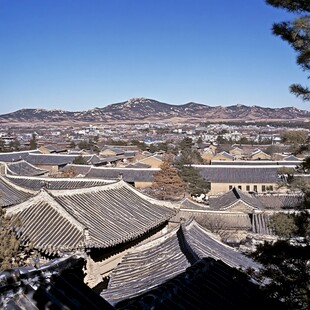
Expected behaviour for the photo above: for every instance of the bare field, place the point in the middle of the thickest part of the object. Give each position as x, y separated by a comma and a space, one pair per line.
176, 120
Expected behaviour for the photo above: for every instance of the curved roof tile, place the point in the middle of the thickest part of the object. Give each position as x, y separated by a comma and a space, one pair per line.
145, 267
109, 215
205, 244
12, 194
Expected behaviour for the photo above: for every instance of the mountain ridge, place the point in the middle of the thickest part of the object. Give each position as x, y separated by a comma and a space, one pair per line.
139, 109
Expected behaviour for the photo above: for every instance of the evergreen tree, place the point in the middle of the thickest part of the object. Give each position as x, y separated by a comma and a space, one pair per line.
83, 145
14, 145
167, 184
286, 266
286, 262
33, 142
297, 34
79, 160
194, 182
12, 253
2, 145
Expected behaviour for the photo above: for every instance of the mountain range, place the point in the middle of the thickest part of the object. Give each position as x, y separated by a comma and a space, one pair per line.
142, 109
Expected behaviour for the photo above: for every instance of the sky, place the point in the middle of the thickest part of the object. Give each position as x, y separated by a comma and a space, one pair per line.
76, 55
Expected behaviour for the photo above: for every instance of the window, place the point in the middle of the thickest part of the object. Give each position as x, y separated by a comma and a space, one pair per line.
247, 188
240, 187
263, 188
230, 187
270, 188
255, 188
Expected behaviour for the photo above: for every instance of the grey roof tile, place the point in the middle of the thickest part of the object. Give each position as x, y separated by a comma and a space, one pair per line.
12, 194
204, 244
230, 198
112, 214
15, 156
208, 284
238, 175
145, 267
52, 159
24, 168
36, 183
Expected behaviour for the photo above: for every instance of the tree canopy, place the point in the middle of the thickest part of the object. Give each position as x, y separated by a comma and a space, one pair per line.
33, 142
297, 34
167, 184
194, 182
12, 252
286, 262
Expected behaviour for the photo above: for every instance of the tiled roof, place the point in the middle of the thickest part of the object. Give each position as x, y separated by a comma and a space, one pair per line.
52, 159
232, 197
151, 264
36, 183
204, 244
225, 154
48, 226
280, 201
15, 156
116, 150
245, 174
257, 163
127, 174
292, 158
105, 215
221, 219
208, 284
260, 223
24, 168
192, 205
112, 173
146, 267
12, 194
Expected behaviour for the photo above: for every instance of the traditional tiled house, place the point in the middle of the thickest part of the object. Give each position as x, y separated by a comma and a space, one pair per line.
12, 194
22, 167
156, 262
239, 212
259, 155
245, 178
237, 152
153, 161
138, 177
97, 217
50, 162
224, 156
111, 151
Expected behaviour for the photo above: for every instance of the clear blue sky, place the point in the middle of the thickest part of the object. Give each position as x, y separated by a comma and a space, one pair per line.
80, 54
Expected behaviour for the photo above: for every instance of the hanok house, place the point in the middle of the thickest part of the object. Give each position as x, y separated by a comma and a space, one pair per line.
259, 155
223, 156
137, 177
237, 152
23, 168
186, 268
95, 219
152, 264
153, 161
245, 178
111, 151
50, 162
236, 213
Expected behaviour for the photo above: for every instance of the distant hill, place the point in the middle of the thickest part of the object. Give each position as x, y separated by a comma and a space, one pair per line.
141, 109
